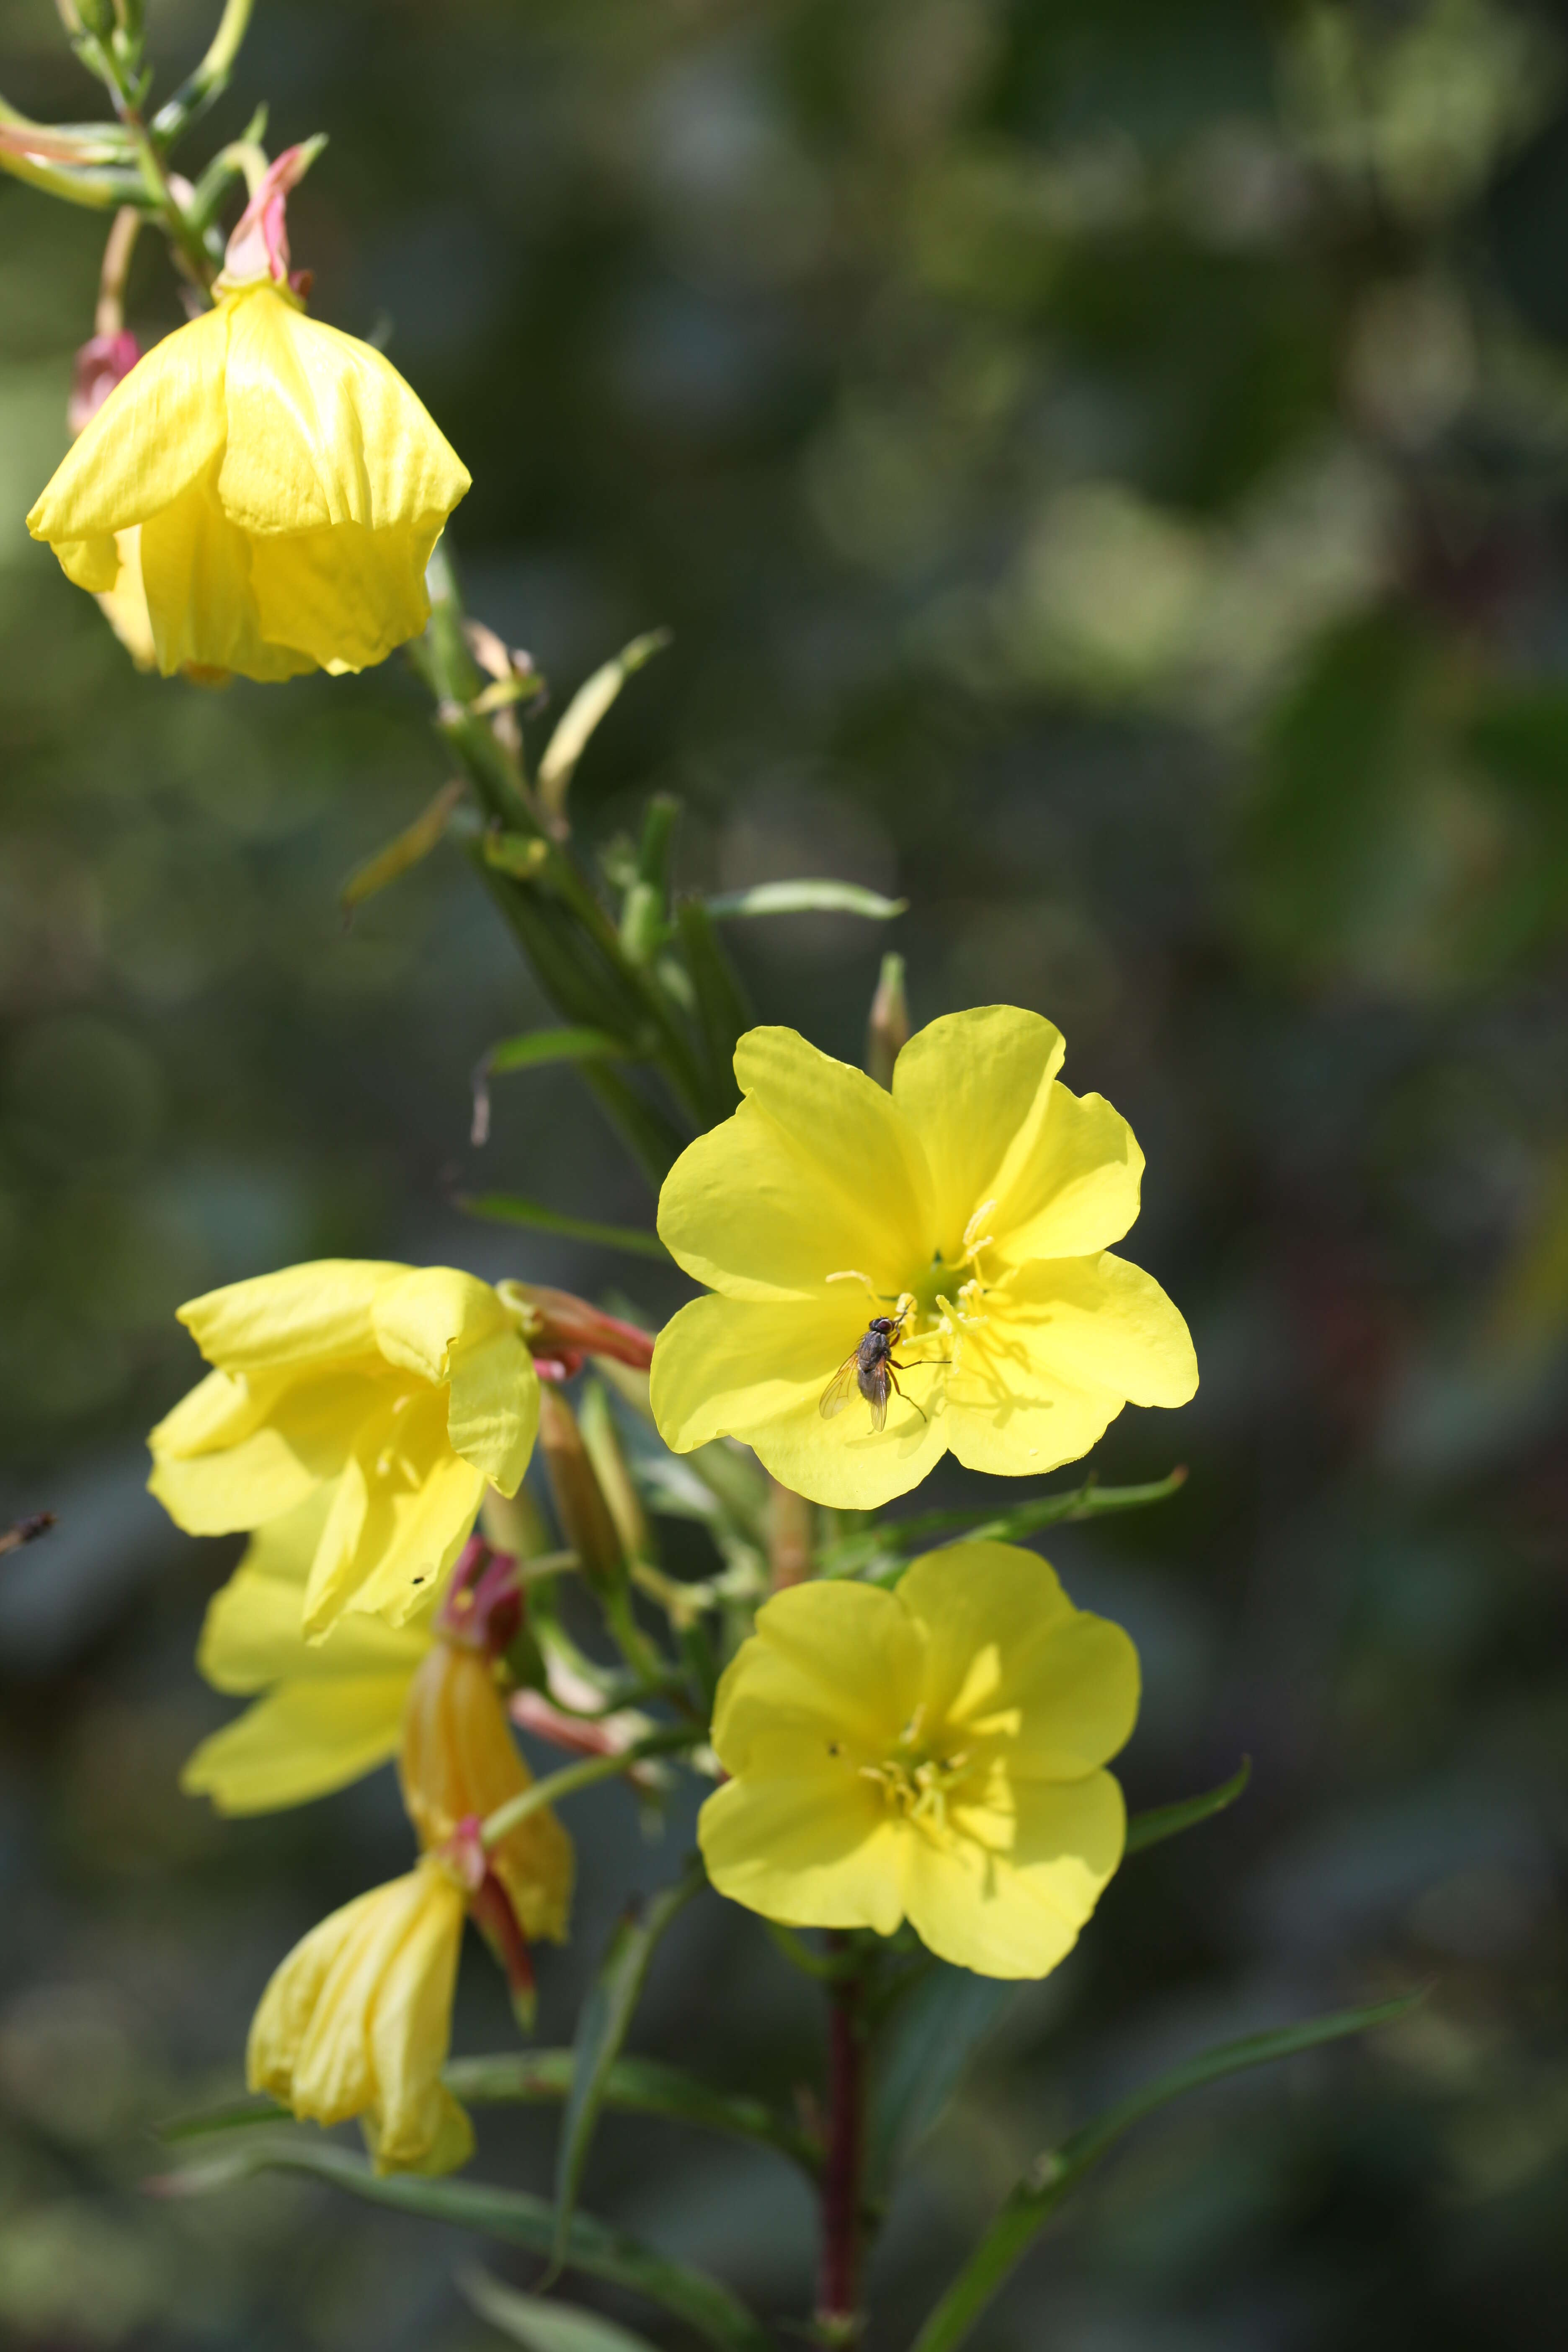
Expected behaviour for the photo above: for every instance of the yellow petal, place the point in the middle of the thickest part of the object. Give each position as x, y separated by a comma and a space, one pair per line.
445, 2133
425, 1317
161, 427
124, 602
815, 1174
492, 1415
812, 1851
727, 1367
1012, 1660
306, 1738
411, 2029
343, 596
971, 1085
253, 1634
405, 1507
1016, 1913
1077, 1190
293, 1992
304, 1313
323, 430
829, 1663
1104, 1321
310, 1427
218, 1411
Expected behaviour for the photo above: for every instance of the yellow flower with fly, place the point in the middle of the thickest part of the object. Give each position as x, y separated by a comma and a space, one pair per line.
969, 1211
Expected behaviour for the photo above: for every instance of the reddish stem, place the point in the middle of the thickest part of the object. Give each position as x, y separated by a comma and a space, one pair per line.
838, 2287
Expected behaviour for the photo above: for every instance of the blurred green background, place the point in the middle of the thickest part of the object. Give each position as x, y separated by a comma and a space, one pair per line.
1104, 468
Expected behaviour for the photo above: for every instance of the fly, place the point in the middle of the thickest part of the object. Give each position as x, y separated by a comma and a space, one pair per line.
871, 1368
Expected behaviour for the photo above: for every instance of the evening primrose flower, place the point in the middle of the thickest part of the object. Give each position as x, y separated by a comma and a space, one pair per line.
273, 485
973, 1206
324, 1713
458, 1761
405, 1391
356, 2023
932, 1753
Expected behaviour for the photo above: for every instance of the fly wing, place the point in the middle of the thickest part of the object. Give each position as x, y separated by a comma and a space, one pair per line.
873, 1387
840, 1388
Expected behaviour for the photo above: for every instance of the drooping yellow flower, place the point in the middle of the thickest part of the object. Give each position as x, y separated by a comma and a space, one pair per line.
460, 1760
357, 2021
977, 1201
407, 1391
287, 488
932, 1753
328, 1711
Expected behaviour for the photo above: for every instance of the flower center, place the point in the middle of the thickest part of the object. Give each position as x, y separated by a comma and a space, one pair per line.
919, 1777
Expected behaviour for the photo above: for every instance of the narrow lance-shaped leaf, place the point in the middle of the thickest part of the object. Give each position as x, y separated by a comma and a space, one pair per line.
1052, 2179
512, 1209
636, 2086
594, 2247
722, 1006
543, 2324
532, 1052
582, 715
1169, 1821
407, 848
602, 2028
922, 2051
882, 1554
804, 898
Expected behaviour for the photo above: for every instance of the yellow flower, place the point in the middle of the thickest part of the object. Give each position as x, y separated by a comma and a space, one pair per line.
286, 485
357, 2019
977, 1199
407, 1392
458, 1759
932, 1753
328, 1711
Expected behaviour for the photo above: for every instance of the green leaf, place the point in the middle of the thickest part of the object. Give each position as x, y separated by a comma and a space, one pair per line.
1052, 2178
637, 2087
722, 1006
235, 2115
804, 898
542, 2326
883, 1553
414, 842
583, 714
512, 1209
532, 1050
601, 2027
1169, 1821
594, 2247
935, 2028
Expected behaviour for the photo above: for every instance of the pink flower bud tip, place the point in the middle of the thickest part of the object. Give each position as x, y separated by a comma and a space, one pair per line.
102, 361
483, 1609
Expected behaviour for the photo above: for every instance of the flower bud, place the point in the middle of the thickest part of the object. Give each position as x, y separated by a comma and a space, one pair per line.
565, 1330
887, 1032
102, 361
580, 1504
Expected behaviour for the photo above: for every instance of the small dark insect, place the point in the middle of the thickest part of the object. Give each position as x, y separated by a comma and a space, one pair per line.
873, 1369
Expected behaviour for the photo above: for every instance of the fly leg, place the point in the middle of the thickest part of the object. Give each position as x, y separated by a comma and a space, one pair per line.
893, 1371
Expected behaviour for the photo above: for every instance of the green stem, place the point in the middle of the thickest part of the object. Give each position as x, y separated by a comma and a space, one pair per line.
210, 78
586, 1775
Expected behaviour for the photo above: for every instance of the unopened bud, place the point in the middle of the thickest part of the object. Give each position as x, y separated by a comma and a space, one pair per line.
259, 244
580, 1504
603, 1448
514, 1523
887, 1032
563, 1329
102, 361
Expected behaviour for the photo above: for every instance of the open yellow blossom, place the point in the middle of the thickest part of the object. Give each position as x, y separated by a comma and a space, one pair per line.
328, 1711
357, 2022
932, 1753
275, 485
405, 1390
976, 1202
460, 1760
